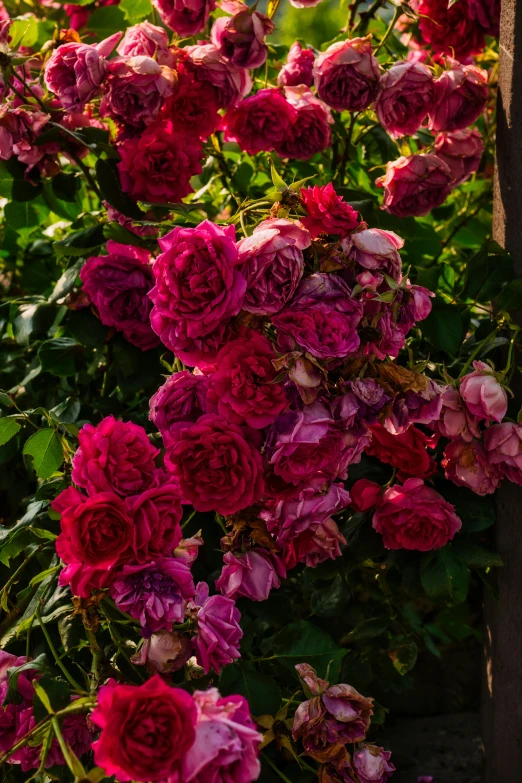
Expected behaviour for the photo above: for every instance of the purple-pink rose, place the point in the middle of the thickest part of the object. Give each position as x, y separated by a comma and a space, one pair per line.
115, 456
503, 444
298, 68
461, 95
76, 71
181, 398
483, 395
218, 635
260, 122
146, 40
230, 82
346, 75
310, 131
117, 285
467, 464
308, 510
372, 764
135, 89
185, 17
455, 419
415, 185
405, 96
227, 742
198, 283
461, 151
241, 38
252, 574
322, 318
272, 262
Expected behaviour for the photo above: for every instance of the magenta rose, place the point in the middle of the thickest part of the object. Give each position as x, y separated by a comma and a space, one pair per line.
157, 165
414, 516
154, 593
406, 93
230, 82
372, 764
503, 444
376, 250
219, 634
193, 106
461, 151
117, 285
181, 398
461, 95
346, 75
310, 131
146, 730
272, 262
468, 464
198, 351
136, 89
307, 444
241, 39
328, 213
261, 122
252, 574
146, 40
115, 456
76, 71
243, 388
322, 318
157, 515
227, 742
450, 29
298, 68
185, 17
308, 510
217, 467
487, 14
198, 283
483, 395
415, 185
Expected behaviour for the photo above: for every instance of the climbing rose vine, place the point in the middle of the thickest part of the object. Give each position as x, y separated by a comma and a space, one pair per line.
253, 380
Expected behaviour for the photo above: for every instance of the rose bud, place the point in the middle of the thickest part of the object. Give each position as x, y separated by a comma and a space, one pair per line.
346, 75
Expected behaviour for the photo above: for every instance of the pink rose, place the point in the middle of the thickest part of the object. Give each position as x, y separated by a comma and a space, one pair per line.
483, 395
116, 456
365, 494
241, 39
164, 652
117, 285
461, 95
157, 515
76, 71
450, 30
467, 464
414, 516
346, 75
19, 130
461, 151
182, 398
298, 68
322, 318
185, 17
243, 388
146, 40
310, 131
136, 89
252, 574
328, 213
218, 469
129, 715
227, 742
193, 107
218, 635
272, 262
261, 122
415, 185
376, 250
503, 443
230, 82
157, 165
455, 420
198, 283
372, 764
406, 94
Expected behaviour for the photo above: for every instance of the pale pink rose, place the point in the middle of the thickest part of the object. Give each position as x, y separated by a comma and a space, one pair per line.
147, 40
298, 68
503, 443
375, 249
373, 764
469, 465
164, 652
483, 395
455, 420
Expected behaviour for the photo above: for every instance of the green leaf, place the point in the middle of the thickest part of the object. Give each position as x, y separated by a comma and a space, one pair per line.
262, 692
80, 243
58, 356
6, 400
510, 298
475, 555
45, 447
51, 695
135, 10
8, 429
444, 327
404, 657
486, 272
38, 664
444, 577
66, 282
86, 328
109, 183
14, 185
106, 21
32, 319
368, 629
279, 183
121, 234
66, 186
302, 641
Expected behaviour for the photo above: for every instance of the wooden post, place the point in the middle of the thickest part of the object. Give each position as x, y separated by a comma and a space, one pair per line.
502, 691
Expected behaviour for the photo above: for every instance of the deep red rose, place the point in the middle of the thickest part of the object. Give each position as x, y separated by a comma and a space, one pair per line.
406, 452
218, 469
261, 122
450, 30
146, 730
193, 106
365, 494
328, 213
157, 513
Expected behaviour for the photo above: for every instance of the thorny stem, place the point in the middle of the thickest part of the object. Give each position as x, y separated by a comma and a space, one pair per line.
29, 89
70, 679
97, 657
20, 568
366, 16
63, 745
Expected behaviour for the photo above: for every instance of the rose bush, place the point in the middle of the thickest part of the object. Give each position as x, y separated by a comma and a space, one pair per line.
255, 398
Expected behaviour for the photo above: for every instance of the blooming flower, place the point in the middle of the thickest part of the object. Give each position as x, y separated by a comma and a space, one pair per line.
415, 185
406, 93
252, 574
218, 632
346, 75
